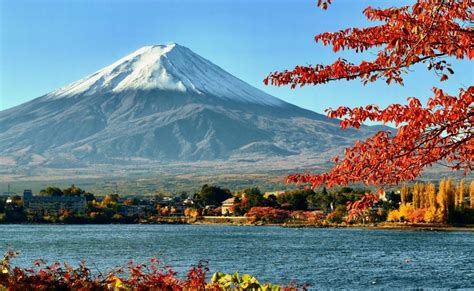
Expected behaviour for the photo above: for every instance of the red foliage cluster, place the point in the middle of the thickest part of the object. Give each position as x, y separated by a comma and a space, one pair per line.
417, 216
151, 276
424, 32
442, 132
356, 209
267, 214
333, 217
309, 216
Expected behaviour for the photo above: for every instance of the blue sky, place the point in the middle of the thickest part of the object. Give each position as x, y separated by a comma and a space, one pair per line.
47, 44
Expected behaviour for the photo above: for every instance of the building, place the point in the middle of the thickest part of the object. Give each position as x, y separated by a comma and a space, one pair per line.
53, 204
188, 202
227, 207
382, 195
132, 210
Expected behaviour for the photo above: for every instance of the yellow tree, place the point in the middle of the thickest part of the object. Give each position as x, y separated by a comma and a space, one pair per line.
442, 200
404, 193
471, 193
417, 193
450, 193
460, 195
431, 194
431, 204
424, 197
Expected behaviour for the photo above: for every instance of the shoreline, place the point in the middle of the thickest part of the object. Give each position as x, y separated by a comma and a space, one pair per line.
374, 226
377, 226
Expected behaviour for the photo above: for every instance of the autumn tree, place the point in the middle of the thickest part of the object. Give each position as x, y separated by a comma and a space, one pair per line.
357, 210
430, 191
418, 196
442, 200
471, 194
459, 194
109, 201
428, 32
432, 206
450, 193
405, 193
425, 200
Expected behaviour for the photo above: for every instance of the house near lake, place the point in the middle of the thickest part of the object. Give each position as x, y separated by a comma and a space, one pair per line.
227, 207
53, 204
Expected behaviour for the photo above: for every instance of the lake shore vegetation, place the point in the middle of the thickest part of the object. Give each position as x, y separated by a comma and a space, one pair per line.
442, 204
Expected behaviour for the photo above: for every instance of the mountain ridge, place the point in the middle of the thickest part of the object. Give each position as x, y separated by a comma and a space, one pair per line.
163, 103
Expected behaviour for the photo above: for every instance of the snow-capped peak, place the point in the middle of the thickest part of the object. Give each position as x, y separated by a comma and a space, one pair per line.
166, 67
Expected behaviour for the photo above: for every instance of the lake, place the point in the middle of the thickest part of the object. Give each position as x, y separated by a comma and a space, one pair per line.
324, 258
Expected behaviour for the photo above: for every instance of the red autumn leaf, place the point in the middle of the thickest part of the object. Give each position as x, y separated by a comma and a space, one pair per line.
424, 32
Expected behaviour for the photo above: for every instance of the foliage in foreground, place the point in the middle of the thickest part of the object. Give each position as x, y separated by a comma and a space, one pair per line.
149, 276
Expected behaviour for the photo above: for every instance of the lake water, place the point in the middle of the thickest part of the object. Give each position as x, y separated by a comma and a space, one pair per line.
324, 258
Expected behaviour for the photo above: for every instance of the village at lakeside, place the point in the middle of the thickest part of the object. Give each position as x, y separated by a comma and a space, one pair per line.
425, 205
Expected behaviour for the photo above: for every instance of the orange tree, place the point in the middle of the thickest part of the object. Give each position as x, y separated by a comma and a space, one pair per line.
429, 32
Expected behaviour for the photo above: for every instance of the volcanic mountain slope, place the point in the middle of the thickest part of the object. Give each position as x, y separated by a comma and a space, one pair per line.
163, 103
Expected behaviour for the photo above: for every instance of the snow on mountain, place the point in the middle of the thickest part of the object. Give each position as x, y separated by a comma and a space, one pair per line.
166, 67
164, 103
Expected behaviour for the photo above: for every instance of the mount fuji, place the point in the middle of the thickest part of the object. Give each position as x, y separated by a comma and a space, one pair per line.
163, 103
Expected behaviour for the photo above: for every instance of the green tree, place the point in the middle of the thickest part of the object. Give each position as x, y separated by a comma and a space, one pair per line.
393, 198
52, 191
2, 205
321, 200
212, 195
73, 191
253, 196
295, 199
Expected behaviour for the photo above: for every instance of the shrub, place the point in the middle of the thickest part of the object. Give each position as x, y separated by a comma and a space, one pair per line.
417, 215
267, 214
152, 275
405, 211
192, 213
245, 282
393, 216
300, 215
431, 215
308, 216
315, 217
334, 217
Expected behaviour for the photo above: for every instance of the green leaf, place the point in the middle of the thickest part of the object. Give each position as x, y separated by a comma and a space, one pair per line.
236, 277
